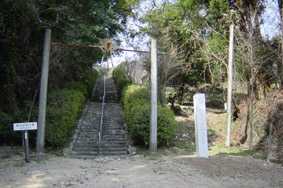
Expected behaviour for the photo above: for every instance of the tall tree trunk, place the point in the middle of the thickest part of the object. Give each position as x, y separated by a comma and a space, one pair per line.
252, 79
251, 111
280, 6
244, 138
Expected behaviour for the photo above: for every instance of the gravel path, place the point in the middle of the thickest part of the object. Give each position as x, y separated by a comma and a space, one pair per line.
139, 171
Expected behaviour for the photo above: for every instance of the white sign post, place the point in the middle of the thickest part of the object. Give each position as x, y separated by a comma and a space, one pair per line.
200, 125
25, 127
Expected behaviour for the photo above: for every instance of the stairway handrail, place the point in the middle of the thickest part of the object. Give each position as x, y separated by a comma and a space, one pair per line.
94, 89
102, 109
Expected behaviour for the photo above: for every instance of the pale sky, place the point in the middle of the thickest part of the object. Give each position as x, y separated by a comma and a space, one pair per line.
271, 20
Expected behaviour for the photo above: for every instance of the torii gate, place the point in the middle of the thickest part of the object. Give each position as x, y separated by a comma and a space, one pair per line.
44, 83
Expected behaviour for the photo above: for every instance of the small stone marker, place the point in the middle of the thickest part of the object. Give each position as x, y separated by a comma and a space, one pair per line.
200, 125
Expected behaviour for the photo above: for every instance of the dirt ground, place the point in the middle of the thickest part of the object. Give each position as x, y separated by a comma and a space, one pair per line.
176, 167
171, 170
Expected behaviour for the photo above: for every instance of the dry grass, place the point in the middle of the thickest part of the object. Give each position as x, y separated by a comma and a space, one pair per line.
265, 111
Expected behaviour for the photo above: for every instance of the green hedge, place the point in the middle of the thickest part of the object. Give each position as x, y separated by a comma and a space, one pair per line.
118, 72
77, 86
89, 79
63, 108
119, 77
136, 102
122, 83
134, 95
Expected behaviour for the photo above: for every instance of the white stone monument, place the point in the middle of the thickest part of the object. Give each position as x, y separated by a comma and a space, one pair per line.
200, 125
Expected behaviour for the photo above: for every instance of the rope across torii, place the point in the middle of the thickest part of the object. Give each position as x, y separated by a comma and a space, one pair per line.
108, 49
102, 48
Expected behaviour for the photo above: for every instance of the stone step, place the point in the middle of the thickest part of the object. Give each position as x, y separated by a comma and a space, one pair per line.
103, 149
109, 153
116, 130
113, 134
112, 127
91, 154
89, 128
114, 144
111, 100
80, 143
93, 122
86, 148
112, 150
86, 140
105, 136
112, 137
112, 121
112, 147
83, 153
109, 136
108, 147
87, 133
114, 140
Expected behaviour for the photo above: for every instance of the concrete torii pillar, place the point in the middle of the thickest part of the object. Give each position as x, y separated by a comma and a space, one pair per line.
43, 93
153, 106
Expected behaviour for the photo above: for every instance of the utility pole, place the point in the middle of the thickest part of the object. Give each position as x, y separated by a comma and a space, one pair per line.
153, 106
230, 80
43, 93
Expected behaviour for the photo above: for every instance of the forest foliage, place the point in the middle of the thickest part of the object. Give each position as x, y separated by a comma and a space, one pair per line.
195, 33
71, 76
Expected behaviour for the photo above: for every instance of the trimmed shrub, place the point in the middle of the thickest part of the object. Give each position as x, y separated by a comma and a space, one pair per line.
118, 72
139, 124
136, 102
64, 106
134, 93
78, 86
62, 112
122, 83
89, 78
119, 77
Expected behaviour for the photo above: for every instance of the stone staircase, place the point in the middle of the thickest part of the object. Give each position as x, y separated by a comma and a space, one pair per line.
113, 140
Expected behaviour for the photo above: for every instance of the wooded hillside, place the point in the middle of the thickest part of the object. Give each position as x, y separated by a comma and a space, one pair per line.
22, 27
196, 36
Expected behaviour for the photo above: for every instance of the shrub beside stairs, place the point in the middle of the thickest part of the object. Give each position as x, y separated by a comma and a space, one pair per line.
86, 140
